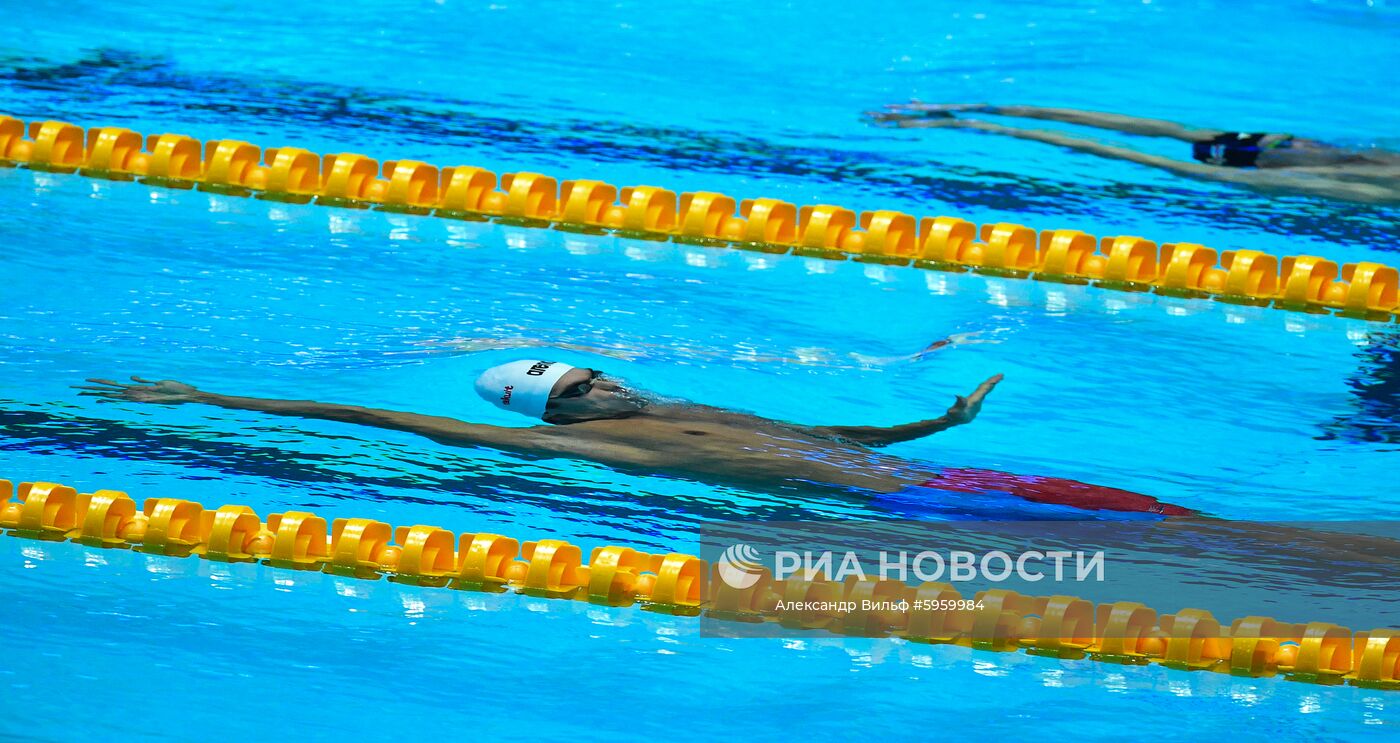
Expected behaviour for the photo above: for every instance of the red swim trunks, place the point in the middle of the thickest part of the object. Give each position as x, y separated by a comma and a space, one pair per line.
1055, 491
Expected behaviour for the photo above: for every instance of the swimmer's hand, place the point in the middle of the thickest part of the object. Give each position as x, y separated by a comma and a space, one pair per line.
917, 114
967, 408
894, 119
163, 392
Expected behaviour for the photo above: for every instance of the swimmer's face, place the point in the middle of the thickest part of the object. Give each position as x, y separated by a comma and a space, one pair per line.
585, 395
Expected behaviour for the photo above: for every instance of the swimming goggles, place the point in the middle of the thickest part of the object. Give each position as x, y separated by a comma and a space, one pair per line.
580, 389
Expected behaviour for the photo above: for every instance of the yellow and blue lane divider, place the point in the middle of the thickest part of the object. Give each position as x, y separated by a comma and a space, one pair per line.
1302, 283
1122, 632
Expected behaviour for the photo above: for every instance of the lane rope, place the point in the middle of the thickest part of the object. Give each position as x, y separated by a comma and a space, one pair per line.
1123, 632
1301, 283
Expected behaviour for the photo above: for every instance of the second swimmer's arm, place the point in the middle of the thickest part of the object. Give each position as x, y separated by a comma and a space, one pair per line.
1091, 147
1279, 180
1097, 119
1111, 121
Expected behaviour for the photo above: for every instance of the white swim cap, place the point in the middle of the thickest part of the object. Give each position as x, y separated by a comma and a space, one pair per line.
521, 386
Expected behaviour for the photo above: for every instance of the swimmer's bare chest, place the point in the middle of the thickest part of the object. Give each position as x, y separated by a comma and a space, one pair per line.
726, 448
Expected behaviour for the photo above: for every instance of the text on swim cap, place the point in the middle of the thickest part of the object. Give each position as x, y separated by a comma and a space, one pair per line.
505, 399
539, 368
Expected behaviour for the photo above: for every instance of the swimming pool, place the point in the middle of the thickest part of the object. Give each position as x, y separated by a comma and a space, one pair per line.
1241, 412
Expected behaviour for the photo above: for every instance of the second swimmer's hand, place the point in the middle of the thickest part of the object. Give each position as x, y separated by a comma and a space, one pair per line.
967, 408
164, 392
896, 119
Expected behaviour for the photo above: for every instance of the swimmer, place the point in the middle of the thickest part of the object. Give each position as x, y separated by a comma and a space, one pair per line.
1269, 162
591, 416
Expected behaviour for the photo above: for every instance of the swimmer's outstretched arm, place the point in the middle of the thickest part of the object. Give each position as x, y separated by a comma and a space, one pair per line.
441, 429
1197, 170
1097, 119
1273, 181
963, 411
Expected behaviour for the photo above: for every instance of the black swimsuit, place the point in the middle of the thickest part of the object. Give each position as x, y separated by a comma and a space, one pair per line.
1231, 150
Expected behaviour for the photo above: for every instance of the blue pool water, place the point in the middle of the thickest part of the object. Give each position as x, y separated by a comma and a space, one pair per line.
1245, 413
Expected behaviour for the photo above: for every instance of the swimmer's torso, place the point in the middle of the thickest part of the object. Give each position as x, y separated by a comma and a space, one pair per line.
717, 445
1334, 161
